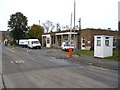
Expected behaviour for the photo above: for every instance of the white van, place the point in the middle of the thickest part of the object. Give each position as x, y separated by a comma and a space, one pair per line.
23, 42
34, 43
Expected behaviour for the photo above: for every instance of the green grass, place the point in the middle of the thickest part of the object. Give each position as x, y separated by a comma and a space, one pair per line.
115, 57
84, 52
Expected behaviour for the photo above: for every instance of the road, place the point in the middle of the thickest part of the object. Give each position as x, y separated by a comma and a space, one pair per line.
28, 68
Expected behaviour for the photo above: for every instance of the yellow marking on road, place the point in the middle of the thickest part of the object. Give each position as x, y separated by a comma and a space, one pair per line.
13, 48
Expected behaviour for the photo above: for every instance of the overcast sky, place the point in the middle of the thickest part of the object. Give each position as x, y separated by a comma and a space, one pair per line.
93, 13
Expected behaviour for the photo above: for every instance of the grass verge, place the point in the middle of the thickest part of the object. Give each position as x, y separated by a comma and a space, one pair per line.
115, 57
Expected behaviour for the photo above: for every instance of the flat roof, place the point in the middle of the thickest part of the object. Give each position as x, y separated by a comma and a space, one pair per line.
4, 32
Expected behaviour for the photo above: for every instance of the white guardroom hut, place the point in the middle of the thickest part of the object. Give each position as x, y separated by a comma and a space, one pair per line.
103, 46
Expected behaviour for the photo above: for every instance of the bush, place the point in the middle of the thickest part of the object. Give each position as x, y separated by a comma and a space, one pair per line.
13, 43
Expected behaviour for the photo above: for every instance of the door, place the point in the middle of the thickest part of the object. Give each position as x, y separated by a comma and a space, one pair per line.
83, 43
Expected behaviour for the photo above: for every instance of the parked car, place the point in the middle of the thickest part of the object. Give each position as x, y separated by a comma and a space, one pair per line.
66, 45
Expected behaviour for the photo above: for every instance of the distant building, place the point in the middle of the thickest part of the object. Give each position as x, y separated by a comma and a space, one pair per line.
84, 39
4, 35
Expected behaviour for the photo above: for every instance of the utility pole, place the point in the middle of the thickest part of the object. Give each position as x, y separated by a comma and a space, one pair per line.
79, 40
70, 41
70, 29
74, 24
79, 23
39, 22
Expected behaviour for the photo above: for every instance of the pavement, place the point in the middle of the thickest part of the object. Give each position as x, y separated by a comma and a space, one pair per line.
0, 66
0, 82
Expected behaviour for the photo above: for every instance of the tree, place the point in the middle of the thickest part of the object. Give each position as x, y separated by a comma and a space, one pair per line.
36, 31
58, 27
66, 27
18, 26
48, 26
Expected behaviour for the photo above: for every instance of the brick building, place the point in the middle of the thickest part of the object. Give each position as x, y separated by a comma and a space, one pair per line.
84, 39
4, 35
87, 37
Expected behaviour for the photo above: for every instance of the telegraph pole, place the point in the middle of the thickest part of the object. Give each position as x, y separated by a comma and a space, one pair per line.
39, 22
79, 40
70, 40
79, 23
74, 24
70, 29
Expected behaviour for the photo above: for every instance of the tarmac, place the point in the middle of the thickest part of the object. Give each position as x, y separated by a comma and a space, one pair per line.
90, 60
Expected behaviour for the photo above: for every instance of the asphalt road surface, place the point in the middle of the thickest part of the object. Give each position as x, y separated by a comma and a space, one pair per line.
29, 68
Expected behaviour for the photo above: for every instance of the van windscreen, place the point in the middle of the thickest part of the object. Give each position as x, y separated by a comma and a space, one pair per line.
35, 42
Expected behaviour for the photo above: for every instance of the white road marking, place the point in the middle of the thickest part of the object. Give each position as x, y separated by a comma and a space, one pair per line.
12, 62
16, 61
22, 61
81, 67
19, 61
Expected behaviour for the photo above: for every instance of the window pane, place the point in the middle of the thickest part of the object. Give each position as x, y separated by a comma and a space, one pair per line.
83, 41
48, 40
106, 37
107, 42
83, 45
98, 37
98, 42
